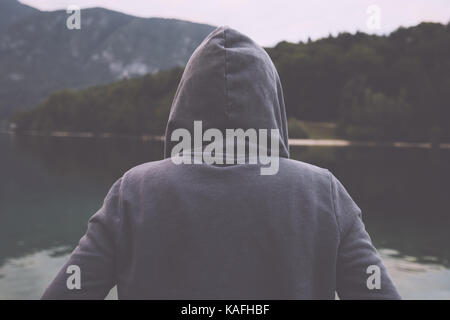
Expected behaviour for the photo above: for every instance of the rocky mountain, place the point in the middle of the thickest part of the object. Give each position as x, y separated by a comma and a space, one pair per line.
39, 54
12, 11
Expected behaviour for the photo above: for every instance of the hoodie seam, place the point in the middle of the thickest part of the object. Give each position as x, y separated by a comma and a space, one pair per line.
333, 206
120, 210
118, 229
227, 108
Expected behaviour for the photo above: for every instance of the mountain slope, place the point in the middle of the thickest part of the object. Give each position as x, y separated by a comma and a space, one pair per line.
39, 55
12, 11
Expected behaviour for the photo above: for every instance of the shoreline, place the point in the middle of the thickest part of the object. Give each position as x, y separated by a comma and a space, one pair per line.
354, 143
292, 142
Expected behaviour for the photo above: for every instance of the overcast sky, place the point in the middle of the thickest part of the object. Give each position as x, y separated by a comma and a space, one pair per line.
270, 21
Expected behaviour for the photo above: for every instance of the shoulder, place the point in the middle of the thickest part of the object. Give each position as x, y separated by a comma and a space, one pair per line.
295, 168
150, 171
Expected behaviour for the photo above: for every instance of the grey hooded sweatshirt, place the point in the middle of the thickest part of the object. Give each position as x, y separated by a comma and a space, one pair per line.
209, 231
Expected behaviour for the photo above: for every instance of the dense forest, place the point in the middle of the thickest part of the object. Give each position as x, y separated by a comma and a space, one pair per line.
373, 87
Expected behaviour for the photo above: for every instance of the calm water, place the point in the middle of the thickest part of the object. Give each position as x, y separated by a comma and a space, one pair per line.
49, 188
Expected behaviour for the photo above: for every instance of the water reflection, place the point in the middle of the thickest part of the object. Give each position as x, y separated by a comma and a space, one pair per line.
403, 194
28, 276
51, 186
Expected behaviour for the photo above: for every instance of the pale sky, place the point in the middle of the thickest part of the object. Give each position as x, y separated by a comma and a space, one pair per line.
270, 21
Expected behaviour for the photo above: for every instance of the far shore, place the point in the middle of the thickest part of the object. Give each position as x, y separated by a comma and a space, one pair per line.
292, 142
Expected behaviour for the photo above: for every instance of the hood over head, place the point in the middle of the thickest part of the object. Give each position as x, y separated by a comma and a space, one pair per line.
230, 82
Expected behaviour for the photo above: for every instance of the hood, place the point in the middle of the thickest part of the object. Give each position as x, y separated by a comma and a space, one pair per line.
229, 82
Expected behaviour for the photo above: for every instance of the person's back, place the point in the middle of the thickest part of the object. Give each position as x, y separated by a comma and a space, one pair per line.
210, 230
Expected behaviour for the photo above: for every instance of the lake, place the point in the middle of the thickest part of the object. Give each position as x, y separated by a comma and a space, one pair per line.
50, 187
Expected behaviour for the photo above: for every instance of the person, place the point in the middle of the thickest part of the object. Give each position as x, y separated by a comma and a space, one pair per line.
201, 230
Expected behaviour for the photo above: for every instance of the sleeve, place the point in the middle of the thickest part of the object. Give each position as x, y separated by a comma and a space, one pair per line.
90, 270
360, 273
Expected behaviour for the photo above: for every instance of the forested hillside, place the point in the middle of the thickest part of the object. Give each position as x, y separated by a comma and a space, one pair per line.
374, 87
